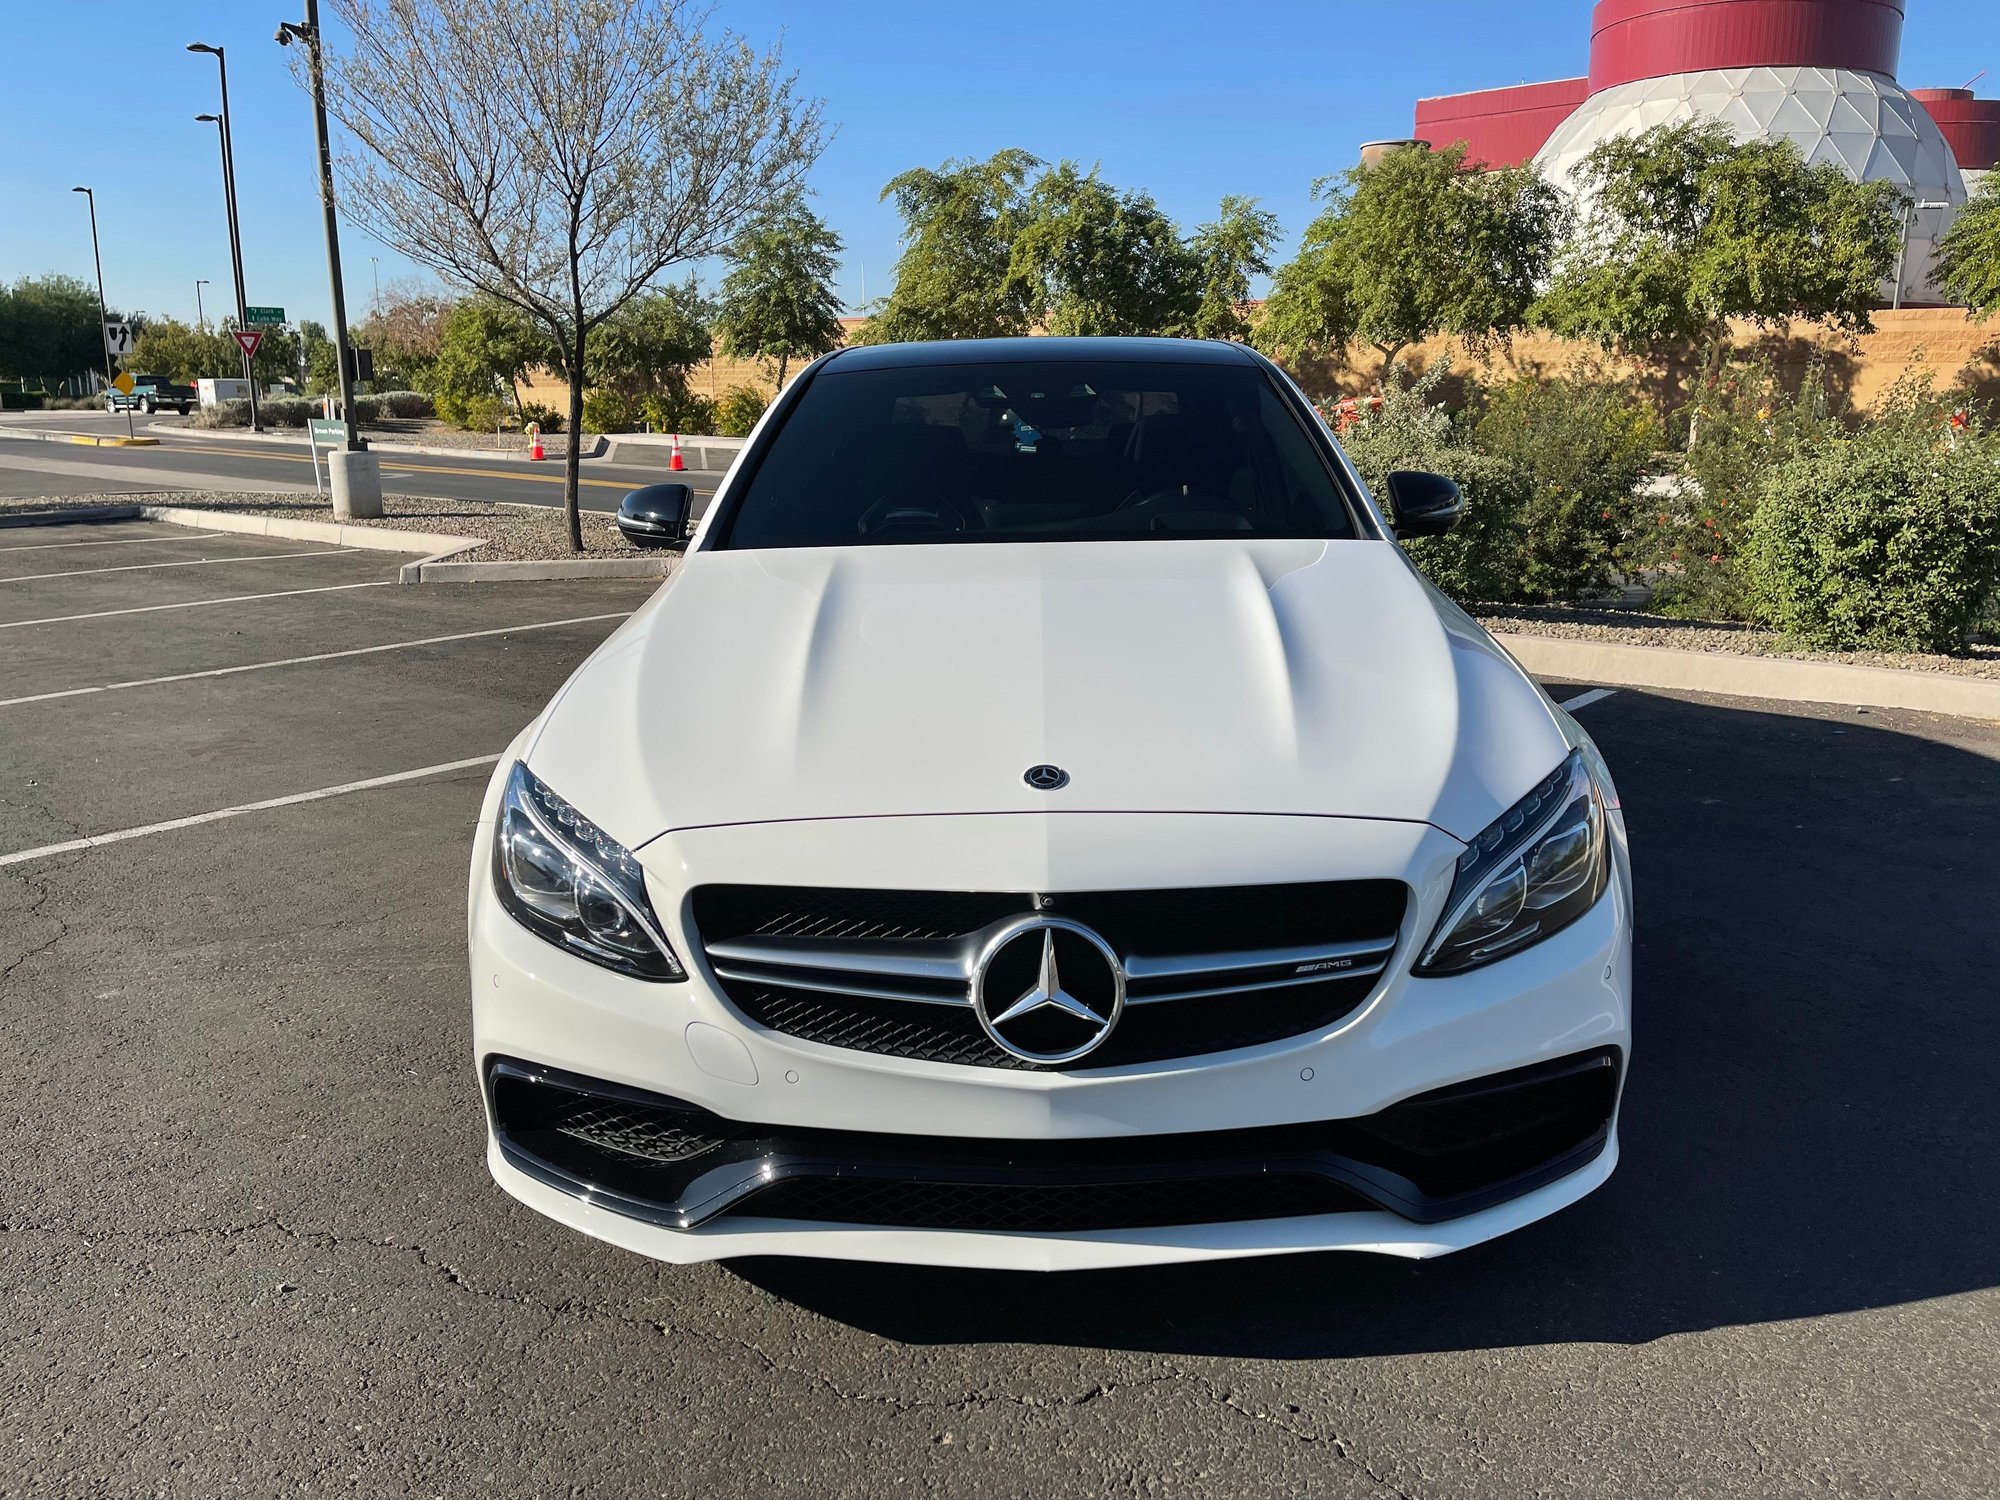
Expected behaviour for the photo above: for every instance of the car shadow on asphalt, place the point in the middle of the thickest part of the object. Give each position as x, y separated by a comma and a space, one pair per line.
1810, 1122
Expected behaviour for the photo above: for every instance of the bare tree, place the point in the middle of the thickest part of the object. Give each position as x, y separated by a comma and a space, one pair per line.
560, 163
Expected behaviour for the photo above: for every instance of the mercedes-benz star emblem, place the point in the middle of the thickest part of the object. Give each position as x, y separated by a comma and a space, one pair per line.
1048, 990
1046, 778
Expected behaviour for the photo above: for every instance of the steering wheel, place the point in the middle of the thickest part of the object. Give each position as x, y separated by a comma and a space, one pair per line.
934, 514
1188, 497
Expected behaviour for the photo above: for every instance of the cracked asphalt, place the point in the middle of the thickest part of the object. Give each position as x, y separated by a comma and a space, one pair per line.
248, 1245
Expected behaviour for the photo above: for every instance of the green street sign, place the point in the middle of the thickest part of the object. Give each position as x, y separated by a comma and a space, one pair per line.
264, 314
328, 434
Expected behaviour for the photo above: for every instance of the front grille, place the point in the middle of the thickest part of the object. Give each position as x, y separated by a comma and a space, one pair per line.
1428, 1158
1209, 970
1032, 1208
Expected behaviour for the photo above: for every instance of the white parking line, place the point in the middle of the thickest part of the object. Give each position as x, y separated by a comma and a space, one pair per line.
298, 661
1584, 700
192, 562
119, 837
123, 541
147, 609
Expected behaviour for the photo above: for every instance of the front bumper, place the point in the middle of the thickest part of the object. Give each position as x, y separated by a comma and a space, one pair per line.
554, 1014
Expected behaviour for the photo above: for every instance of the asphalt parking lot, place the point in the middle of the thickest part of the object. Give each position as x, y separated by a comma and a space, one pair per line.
249, 1245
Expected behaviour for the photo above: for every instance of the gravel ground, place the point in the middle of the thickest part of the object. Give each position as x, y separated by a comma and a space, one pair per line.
1632, 628
512, 533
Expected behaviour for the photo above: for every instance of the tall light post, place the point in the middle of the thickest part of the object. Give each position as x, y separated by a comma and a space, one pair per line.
375, 266
200, 317
102, 316
356, 475
221, 122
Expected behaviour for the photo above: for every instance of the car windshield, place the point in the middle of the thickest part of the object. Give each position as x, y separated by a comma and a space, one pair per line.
1070, 450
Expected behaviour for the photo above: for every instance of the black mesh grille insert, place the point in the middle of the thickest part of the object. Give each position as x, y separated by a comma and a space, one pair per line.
1052, 1209
1428, 1158
1162, 923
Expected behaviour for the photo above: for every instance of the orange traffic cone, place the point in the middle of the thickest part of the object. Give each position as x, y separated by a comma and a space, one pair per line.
535, 442
676, 462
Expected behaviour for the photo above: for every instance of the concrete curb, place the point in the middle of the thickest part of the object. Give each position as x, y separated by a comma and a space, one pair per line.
84, 439
711, 454
1790, 679
78, 515
440, 549
441, 570
370, 538
386, 446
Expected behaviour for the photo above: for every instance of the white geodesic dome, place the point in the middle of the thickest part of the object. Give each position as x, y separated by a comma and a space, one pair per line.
1862, 122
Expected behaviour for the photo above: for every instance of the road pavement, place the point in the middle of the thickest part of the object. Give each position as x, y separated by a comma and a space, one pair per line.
197, 461
248, 1244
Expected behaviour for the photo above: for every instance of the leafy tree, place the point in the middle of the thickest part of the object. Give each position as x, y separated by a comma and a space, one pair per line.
1093, 260
778, 300
643, 354
320, 356
1968, 257
485, 346
1415, 245
1684, 228
564, 176
183, 353
404, 330
954, 278
277, 354
1236, 247
49, 329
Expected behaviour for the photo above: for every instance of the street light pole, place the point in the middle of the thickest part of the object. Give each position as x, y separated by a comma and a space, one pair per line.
357, 477
102, 316
200, 316
229, 203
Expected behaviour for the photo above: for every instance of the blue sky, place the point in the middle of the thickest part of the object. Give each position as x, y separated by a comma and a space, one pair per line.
1187, 99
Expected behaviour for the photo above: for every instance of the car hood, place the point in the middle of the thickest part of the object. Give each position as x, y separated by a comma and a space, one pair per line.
1272, 676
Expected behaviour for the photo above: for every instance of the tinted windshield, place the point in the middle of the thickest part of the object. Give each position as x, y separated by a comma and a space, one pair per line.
1064, 451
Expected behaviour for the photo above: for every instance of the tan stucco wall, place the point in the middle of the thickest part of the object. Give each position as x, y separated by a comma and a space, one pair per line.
1943, 340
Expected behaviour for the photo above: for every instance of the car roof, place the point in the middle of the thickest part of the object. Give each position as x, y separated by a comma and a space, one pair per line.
1038, 351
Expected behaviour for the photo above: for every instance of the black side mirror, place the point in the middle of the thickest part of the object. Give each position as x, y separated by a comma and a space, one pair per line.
656, 515
1423, 504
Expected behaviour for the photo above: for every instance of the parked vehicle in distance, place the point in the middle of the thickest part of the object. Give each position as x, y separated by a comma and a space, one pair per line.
1047, 822
149, 394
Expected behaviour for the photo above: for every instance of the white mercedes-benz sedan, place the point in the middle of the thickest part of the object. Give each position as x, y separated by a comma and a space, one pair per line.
1046, 822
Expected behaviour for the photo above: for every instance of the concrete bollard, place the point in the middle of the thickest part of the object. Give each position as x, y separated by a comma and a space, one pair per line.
356, 480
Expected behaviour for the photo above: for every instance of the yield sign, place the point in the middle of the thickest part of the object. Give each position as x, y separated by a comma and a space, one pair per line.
249, 341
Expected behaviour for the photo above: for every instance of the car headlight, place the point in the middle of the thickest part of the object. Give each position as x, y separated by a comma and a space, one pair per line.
1539, 866
567, 880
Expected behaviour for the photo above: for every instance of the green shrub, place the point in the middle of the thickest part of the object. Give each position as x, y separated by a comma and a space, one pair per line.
680, 411
1579, 444
1688, 537
738, 410
406, 405
545, 417
1479, 560
1888, 540
22, 401
484, 414
609, 410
